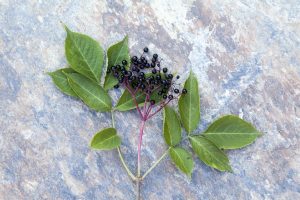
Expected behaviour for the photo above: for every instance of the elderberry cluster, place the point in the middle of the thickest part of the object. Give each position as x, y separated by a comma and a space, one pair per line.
145, 74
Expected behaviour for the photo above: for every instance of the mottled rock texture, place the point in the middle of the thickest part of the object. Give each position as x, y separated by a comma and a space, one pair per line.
245, 53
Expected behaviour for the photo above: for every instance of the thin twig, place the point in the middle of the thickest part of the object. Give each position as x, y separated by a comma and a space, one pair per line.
156, 163
134, 99
161, 107
130, 174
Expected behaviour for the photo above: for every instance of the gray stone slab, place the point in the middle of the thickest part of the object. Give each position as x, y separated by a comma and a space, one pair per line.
245, 54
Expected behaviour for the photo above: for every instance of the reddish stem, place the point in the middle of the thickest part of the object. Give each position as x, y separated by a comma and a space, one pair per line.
140, 146
134, 99
161, 107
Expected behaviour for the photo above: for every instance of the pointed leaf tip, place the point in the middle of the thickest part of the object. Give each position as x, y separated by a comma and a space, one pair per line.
231, 132
189, 104
182, 159
209, 153
59, 78
115, 54
84, 55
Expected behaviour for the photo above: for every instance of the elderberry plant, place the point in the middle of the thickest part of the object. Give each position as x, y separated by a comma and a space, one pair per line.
149, 88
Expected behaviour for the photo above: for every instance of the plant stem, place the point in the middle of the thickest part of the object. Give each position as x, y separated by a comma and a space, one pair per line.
112, 118
156, 163
134, 99
139, 159
139, 148
125, 166
161, 107
138, 196
130, 174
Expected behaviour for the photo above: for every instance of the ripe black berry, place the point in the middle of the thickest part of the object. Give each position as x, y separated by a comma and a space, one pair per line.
184, 91
152, 65
164, 82
155, 56
158, 77
165, 96
170, 76
134, 58
152, 102
124, 62
116, 86
176, 91
154, 71
165, 70
146, 49
170, 96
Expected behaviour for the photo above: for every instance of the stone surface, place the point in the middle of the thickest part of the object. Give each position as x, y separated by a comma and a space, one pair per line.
245, 54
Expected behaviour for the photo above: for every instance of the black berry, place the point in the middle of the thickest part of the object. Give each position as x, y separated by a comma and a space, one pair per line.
184, 91
124, 62
134, 58
146, 49
152, 102
170, 76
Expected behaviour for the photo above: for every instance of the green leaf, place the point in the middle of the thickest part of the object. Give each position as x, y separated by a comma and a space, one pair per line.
84, 55
172, 127
115, 54
61, 81
231, 132
209, 153
106, 139
126, 101
189, 104
182, 159
90, 92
